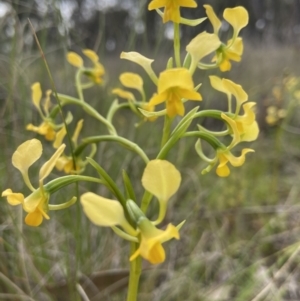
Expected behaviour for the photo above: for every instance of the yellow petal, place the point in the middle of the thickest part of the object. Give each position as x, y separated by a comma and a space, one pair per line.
77, 131
92, 55
140, 60
222, 169
60, 135
172, 109
154, 4
225, 65
101, 211
236, 49
237, 17
13, 198
36, 94
214, 20
217, 83
47, 102
172, 8
189, 94
187, 3
132, 80
176, 77
202, 45
152, 238
251, 132
64, 163
157, 99
35, 199
49, 165
34, 219
235, 89
161, 178
25, 155
238, 161
74, 59
235, 132
179, 108
123, 94
44, 129
249, 115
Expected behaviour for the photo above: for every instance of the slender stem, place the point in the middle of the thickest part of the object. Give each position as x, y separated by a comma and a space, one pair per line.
177, 44
135, 273
61, 182
214, 142
114, 108
166, 130
66, 99
78, 85
123, 141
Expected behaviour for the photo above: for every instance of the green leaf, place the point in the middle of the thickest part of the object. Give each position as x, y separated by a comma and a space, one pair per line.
184, 123
128, 187
177, 133
170, 63
109, 181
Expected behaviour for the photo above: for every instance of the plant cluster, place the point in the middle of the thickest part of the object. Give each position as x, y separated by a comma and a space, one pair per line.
126, 213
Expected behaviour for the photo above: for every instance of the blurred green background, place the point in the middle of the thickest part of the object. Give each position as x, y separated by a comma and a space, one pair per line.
240, 241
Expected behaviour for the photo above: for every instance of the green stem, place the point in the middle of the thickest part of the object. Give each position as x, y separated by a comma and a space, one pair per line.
177, 45
214, 142
123, 141
66, 99
166, 130
114, 108
209, 113
135, 273
78, 85
61, 182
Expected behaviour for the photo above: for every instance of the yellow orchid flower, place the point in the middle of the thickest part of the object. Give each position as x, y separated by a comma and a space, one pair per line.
231, 52
238, 18
96, 73
44, 129
174, 85
36, 204
47, 127
241, 131
172, 8
246, 125
66, 163
152, 238
162, 179
226, 156
110, 213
